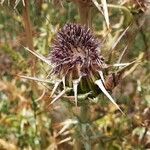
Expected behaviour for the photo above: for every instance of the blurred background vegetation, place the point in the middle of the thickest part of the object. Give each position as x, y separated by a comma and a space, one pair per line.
26, 123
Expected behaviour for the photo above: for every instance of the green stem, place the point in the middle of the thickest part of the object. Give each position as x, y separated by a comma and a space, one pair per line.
84, 113
81, 131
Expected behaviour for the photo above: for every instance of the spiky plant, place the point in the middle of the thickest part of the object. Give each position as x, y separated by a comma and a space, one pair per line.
78, 62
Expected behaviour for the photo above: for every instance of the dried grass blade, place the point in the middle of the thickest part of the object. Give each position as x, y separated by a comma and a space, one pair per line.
63, 129
23, 2
122, 54
42, 95
105, 10
36, 79
2, 1
66, 124
126, 66
119, 38
17, 2
38, 56
58, 96
122, 64
135, 64
65, 140
55, 87
101, 86
97, 6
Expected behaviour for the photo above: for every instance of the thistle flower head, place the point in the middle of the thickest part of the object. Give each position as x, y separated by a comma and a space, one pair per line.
76, 52
77, 61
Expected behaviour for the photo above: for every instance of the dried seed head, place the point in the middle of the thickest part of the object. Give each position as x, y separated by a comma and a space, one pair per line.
76, 53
